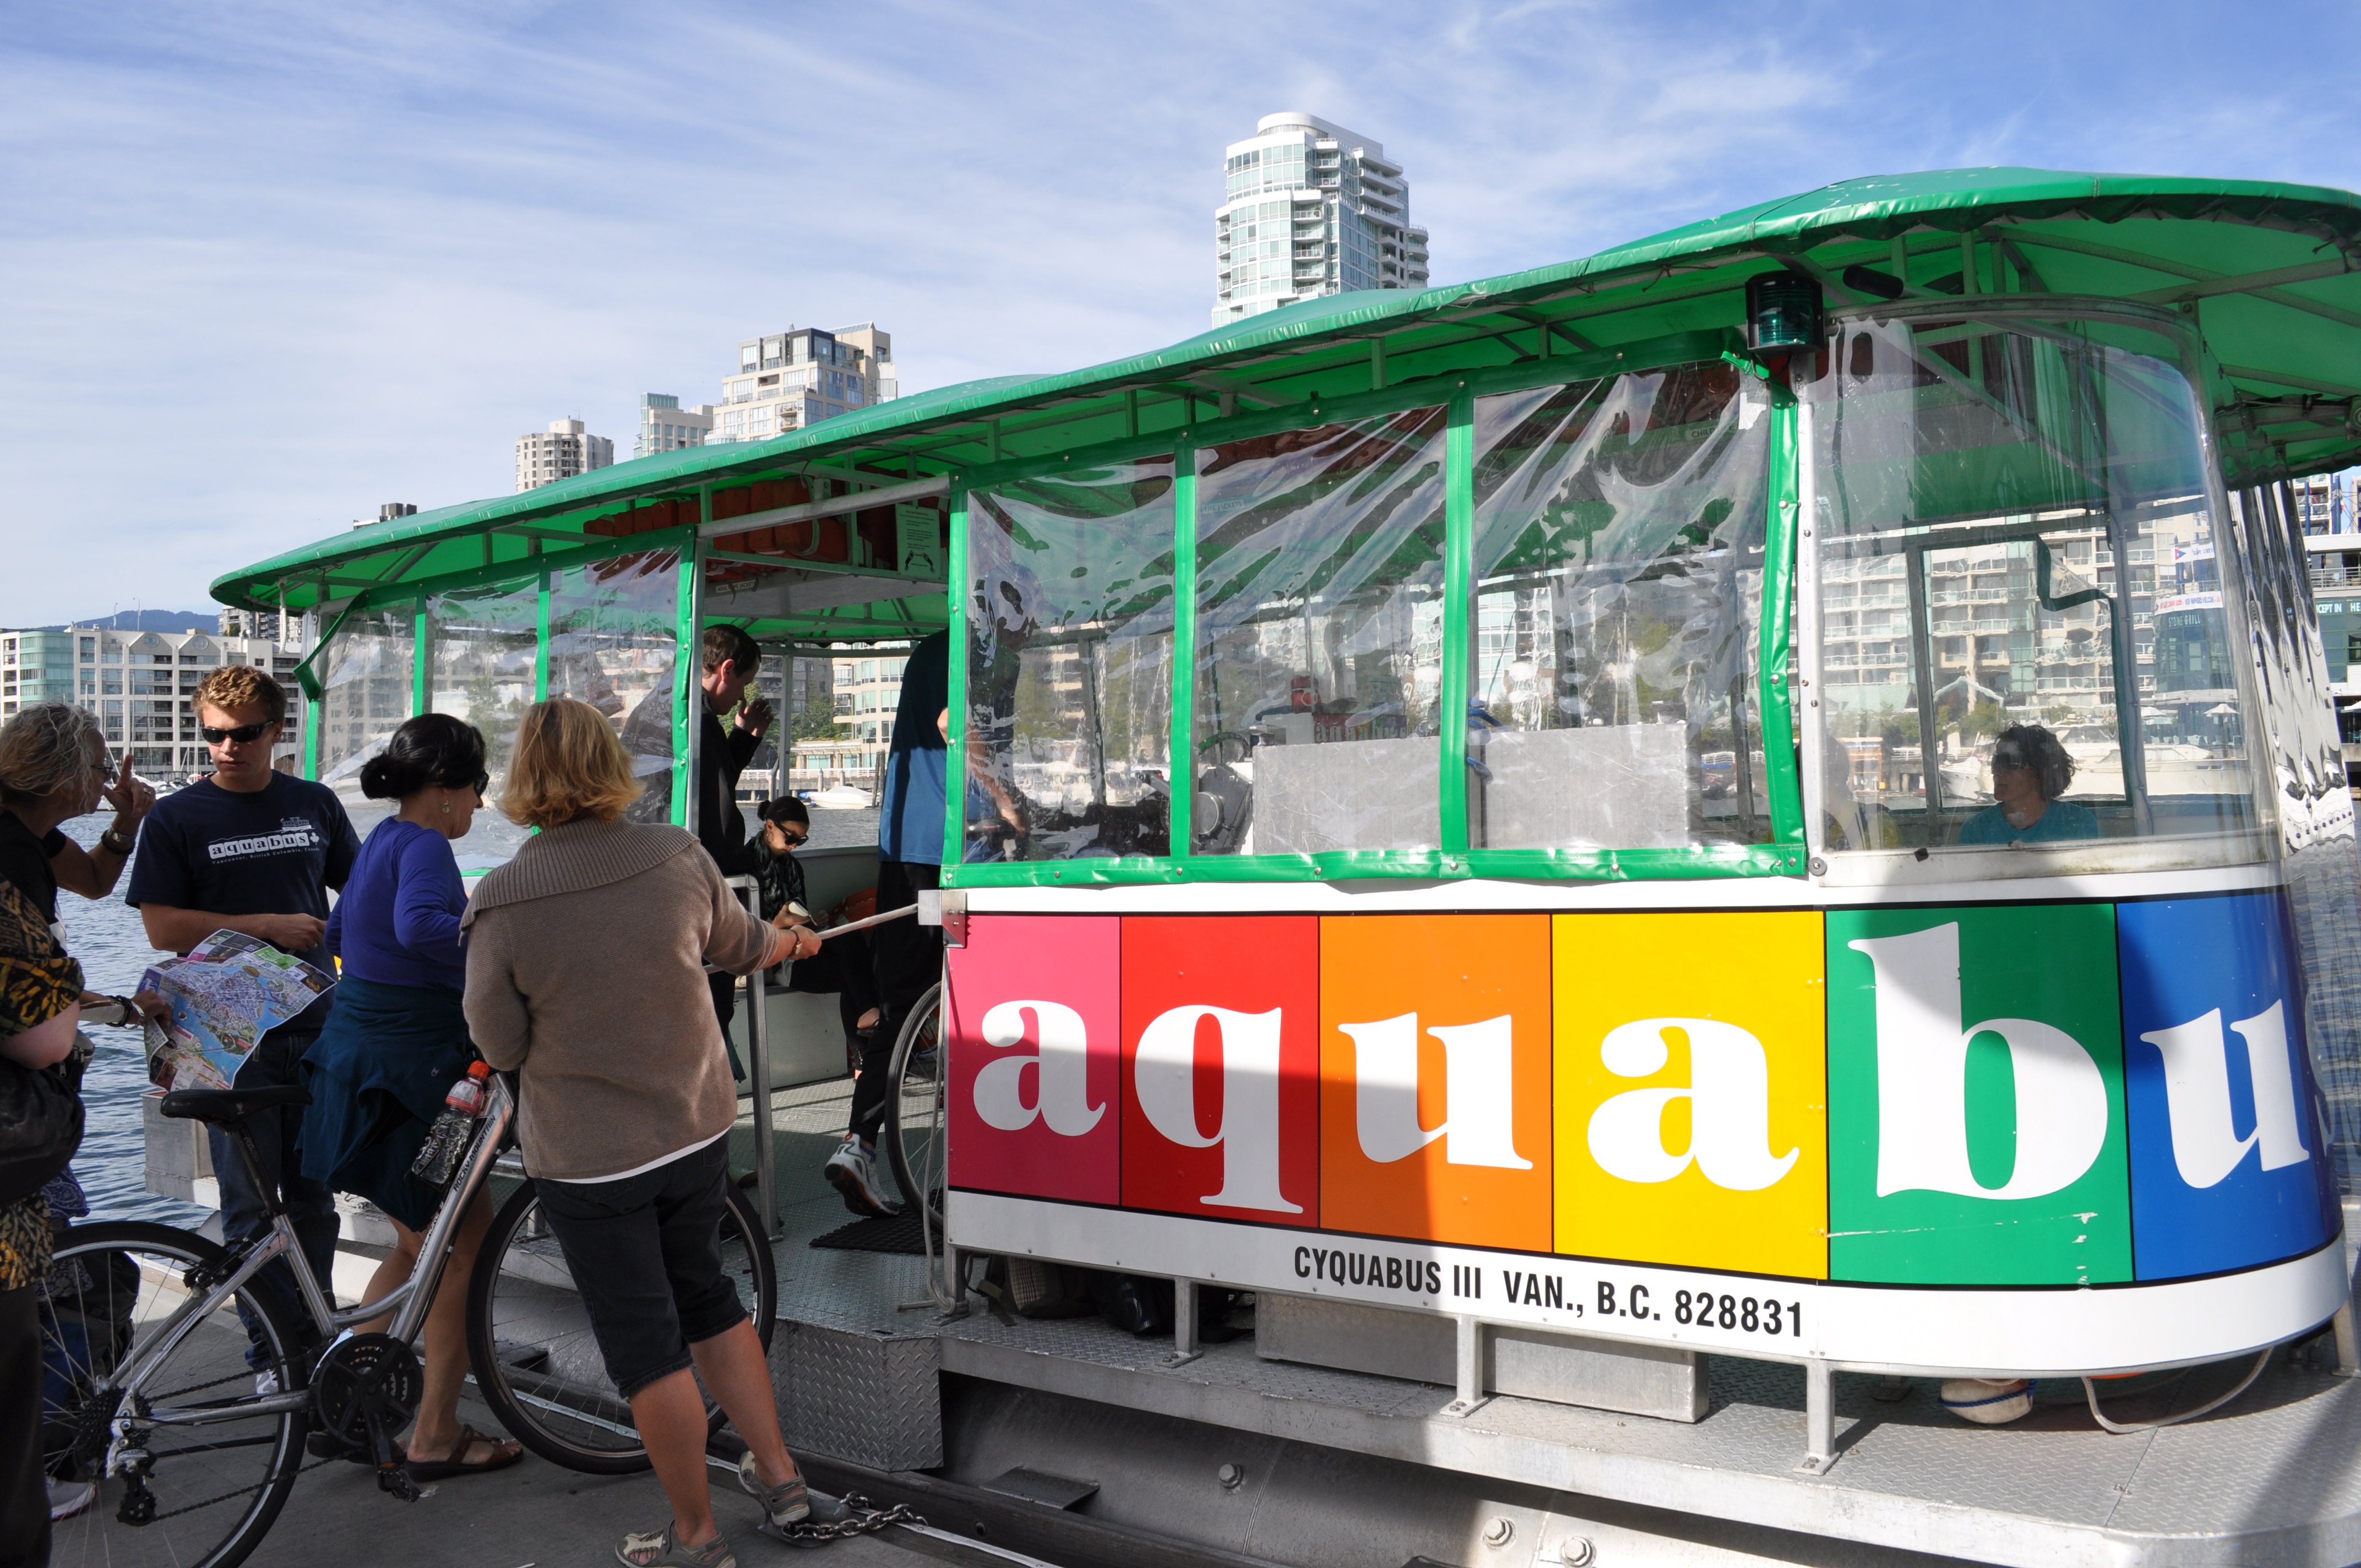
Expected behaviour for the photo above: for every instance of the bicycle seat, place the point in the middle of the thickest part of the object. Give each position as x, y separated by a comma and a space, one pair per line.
218, 1107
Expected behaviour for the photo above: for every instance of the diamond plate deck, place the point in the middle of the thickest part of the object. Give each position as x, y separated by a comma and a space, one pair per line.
2273, 1478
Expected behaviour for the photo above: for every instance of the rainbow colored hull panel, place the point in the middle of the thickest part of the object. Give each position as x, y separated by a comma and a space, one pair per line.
2024, 1097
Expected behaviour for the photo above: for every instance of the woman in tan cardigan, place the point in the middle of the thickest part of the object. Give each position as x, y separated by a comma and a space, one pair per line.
586, 972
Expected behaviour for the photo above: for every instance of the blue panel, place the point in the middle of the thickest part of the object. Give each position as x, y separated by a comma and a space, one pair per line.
2229, 1169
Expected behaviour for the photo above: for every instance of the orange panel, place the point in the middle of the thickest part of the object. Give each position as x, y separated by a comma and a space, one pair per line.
1434, 1078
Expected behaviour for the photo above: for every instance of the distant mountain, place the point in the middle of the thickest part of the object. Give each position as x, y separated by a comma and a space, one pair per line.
147, 621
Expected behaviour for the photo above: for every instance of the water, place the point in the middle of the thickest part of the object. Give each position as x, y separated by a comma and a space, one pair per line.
106, 935
108, 938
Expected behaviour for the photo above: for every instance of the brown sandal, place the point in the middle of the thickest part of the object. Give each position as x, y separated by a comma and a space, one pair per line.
505, 1453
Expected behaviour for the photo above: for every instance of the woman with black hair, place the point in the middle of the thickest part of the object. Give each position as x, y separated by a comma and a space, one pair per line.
2030, 769
397, 1041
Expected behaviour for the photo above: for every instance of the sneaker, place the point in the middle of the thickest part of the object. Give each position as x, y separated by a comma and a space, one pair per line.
266, 1384
68, 1498
786, 1505
852, 1170
658, 1550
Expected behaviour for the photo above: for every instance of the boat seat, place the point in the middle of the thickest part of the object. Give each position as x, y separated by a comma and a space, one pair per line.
220, 1107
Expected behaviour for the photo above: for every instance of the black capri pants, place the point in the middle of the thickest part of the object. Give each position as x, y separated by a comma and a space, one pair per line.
645, 1252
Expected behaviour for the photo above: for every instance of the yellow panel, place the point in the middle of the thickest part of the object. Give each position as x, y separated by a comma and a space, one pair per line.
1690, 1089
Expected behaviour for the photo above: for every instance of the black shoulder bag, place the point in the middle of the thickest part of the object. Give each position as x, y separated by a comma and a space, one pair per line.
40, 1127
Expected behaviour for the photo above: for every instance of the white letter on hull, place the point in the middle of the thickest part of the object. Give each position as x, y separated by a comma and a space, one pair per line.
1922, 1080
1164, 1073
1063, 1059
2205, 1145
1729, 1107
1479, 1124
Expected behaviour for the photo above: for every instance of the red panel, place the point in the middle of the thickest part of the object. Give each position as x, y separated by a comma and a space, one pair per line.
1032, 1020
1221, 1110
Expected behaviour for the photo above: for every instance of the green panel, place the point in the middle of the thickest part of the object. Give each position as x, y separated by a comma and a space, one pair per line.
541, 643
1458, 613
1992, 1059
686, 694
1783, 783
422, 666
1184, 644
955, 762
312, 708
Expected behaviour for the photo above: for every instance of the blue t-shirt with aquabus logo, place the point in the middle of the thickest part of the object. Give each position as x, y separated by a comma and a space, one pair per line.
275, 851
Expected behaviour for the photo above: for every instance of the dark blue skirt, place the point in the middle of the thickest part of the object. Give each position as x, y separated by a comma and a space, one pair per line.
378, 1075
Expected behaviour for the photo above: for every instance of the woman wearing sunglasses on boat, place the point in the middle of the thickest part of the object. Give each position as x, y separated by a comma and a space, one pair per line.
396, 1043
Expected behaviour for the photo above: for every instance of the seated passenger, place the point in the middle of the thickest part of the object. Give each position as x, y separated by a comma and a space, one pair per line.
842, 963
2030, 770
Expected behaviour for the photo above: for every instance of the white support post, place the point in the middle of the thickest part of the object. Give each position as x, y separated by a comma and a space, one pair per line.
2348, 1349
1184, 1324
1469, 1369
1820, 1418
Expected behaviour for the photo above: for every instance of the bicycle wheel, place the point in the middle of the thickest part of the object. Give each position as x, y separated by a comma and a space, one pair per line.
536, 1359
218, 1480
914, 1143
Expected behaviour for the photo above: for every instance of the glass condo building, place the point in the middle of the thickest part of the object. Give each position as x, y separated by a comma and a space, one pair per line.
1311, 208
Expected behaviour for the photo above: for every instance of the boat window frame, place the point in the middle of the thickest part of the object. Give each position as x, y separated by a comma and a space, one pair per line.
539, 571
2255, 845
1783, 855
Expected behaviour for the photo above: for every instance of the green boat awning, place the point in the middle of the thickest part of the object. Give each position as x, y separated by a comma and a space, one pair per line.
2269, 274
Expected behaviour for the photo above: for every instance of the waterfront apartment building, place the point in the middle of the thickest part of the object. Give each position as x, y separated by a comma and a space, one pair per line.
142, 685
564, 450
792, 380
666, 426
1309, 209
2328, 509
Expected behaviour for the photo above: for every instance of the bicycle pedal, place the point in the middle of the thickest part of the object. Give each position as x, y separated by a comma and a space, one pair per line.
395, 1478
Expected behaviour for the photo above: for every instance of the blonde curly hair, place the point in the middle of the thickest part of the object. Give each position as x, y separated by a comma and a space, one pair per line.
45, 745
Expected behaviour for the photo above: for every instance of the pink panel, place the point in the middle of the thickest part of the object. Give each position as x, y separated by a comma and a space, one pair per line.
1034, 1052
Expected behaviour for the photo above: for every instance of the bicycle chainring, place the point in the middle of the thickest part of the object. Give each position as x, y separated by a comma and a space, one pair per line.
366, 1390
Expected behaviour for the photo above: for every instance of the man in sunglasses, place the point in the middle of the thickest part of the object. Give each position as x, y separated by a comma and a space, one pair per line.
255, 851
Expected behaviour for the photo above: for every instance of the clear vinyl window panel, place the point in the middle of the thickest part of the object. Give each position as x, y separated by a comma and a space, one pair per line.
366, 687
1618, 553
1318, 652
1069, 617
482, 646
2029, 613
614, 640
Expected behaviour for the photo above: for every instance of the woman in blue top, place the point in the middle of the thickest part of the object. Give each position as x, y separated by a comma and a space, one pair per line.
397, 1041
2030, 770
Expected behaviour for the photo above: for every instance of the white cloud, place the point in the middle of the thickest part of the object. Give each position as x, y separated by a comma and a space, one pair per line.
271, 265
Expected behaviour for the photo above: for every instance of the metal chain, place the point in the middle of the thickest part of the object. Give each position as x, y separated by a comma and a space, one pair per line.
242, 1491
861, 1517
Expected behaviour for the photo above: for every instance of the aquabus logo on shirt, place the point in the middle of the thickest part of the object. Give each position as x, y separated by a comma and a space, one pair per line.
295, 836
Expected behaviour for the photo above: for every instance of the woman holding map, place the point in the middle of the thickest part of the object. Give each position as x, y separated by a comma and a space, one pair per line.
395, 1044
53, 768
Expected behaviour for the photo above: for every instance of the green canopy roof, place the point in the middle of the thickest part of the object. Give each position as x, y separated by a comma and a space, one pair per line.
2270, 275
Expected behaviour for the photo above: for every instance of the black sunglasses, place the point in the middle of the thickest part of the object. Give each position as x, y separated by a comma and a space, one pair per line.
243, 735
793, 839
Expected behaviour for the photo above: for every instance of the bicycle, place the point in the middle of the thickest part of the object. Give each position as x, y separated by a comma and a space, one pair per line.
149, 1391
916, 1145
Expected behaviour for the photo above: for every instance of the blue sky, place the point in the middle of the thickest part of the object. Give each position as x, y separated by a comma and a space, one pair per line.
265, 266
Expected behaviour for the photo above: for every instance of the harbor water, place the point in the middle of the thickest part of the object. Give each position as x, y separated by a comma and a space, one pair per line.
105, 934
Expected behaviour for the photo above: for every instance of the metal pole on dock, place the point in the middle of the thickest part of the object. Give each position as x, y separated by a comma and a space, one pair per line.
758, 1068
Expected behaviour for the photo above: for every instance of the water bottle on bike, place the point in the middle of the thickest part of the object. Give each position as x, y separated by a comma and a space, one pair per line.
438, 1160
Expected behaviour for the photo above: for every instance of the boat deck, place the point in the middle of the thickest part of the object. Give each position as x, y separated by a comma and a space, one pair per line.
2274, 1477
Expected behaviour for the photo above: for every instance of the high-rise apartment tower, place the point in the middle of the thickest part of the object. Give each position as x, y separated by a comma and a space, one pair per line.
796, 378
562, 450
1311, 208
